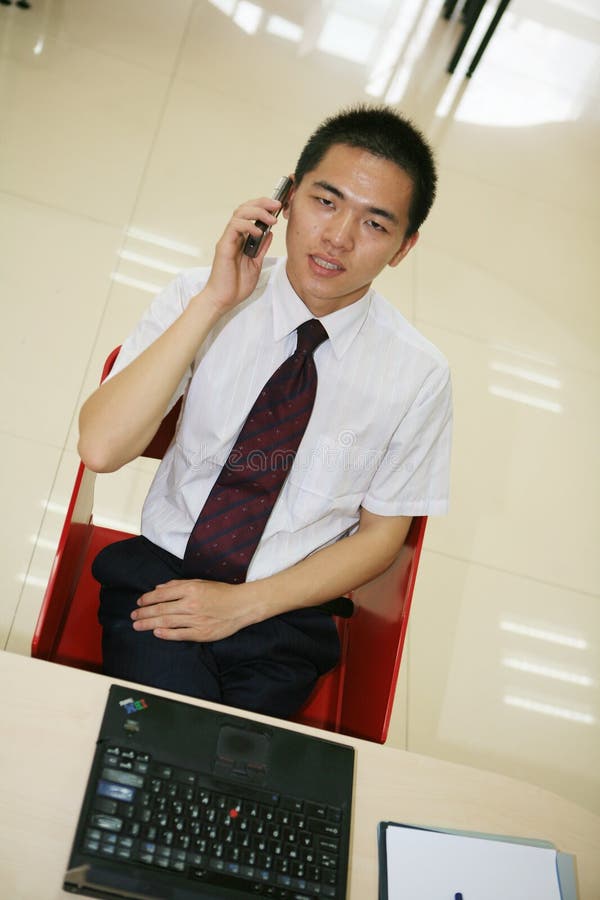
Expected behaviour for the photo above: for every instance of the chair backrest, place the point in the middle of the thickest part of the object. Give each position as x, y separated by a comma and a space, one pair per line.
355, 699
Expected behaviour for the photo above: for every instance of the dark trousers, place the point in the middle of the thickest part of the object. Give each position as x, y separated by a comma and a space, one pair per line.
270, 667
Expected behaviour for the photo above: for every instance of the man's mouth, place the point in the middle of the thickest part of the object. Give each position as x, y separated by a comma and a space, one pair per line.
327, 264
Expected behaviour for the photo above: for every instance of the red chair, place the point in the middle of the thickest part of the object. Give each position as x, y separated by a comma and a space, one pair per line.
355, 699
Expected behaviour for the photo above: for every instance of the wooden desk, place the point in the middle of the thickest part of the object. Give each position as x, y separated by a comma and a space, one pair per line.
49, 719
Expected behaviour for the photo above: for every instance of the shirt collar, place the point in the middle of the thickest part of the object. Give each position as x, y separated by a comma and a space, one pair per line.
289, 311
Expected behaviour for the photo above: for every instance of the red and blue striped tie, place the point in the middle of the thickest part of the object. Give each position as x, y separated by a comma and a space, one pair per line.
232, 520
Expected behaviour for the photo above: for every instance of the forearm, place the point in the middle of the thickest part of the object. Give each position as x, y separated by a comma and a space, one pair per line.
332, 571
192, 609
120, 418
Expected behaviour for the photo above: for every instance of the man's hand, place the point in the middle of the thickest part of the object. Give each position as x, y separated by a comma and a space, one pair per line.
192, 610
234, 275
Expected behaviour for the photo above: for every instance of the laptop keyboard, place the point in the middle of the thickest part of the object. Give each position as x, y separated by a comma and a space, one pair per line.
169, 819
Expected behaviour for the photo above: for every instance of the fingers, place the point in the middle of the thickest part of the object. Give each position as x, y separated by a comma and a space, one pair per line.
174, 634
191, 609
244, 219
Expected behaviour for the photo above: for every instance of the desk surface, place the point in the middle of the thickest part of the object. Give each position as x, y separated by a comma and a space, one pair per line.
50, 716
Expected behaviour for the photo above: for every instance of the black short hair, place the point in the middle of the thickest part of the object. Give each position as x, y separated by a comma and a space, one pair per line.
383, 132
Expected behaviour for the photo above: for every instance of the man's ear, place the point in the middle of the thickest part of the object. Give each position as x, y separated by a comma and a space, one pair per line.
405, 247
286, 208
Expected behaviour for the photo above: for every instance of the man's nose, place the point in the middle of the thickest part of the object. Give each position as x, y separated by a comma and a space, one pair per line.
339, 231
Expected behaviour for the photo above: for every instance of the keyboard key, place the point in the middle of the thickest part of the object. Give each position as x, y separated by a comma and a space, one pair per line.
102, 804
188, 778
119, 777
330, 845
330, 829
107, 823
293, 804
116, 791
216, 865
316, 809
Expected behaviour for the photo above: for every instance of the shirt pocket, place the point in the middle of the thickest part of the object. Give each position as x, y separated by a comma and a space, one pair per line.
329, 482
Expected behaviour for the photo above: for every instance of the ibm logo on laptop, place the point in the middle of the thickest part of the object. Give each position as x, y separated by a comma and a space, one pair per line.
132, 706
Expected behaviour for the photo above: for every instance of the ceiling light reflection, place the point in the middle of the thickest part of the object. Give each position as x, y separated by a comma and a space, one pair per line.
526, 375
43, 543
136, 283
226, 6
414, 50
544, 359
540, 634
548, 709
522, 665
392, 47
347, 37
527, 399
160, 241
32, 580
457, 80
560, 67
149, 262
283, 28
248, 16
51, 506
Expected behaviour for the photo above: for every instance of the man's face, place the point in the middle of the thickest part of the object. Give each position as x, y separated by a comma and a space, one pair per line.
347, 220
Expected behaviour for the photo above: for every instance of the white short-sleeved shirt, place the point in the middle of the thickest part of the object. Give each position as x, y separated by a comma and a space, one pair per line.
379, 434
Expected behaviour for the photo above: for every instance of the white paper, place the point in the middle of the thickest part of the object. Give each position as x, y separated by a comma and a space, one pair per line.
429, 865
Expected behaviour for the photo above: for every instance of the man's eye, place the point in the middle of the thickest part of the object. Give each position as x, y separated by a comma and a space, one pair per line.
324, 201
375, 225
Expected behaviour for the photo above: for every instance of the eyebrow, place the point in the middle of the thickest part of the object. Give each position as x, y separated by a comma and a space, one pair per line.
374, 210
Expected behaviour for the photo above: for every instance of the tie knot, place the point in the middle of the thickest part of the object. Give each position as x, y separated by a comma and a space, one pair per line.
310, 335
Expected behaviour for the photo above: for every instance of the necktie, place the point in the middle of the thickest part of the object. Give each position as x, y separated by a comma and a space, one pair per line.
236, 511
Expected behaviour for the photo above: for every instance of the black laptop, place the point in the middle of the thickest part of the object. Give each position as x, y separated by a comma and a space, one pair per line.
184, 802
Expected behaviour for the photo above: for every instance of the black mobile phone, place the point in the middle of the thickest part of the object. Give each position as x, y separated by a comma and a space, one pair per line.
281, 192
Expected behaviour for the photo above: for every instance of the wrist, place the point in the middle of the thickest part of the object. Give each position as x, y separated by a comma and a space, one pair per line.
253, 599
206, 307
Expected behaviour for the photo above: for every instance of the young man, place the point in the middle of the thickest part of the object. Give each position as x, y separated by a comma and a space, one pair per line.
374, 453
